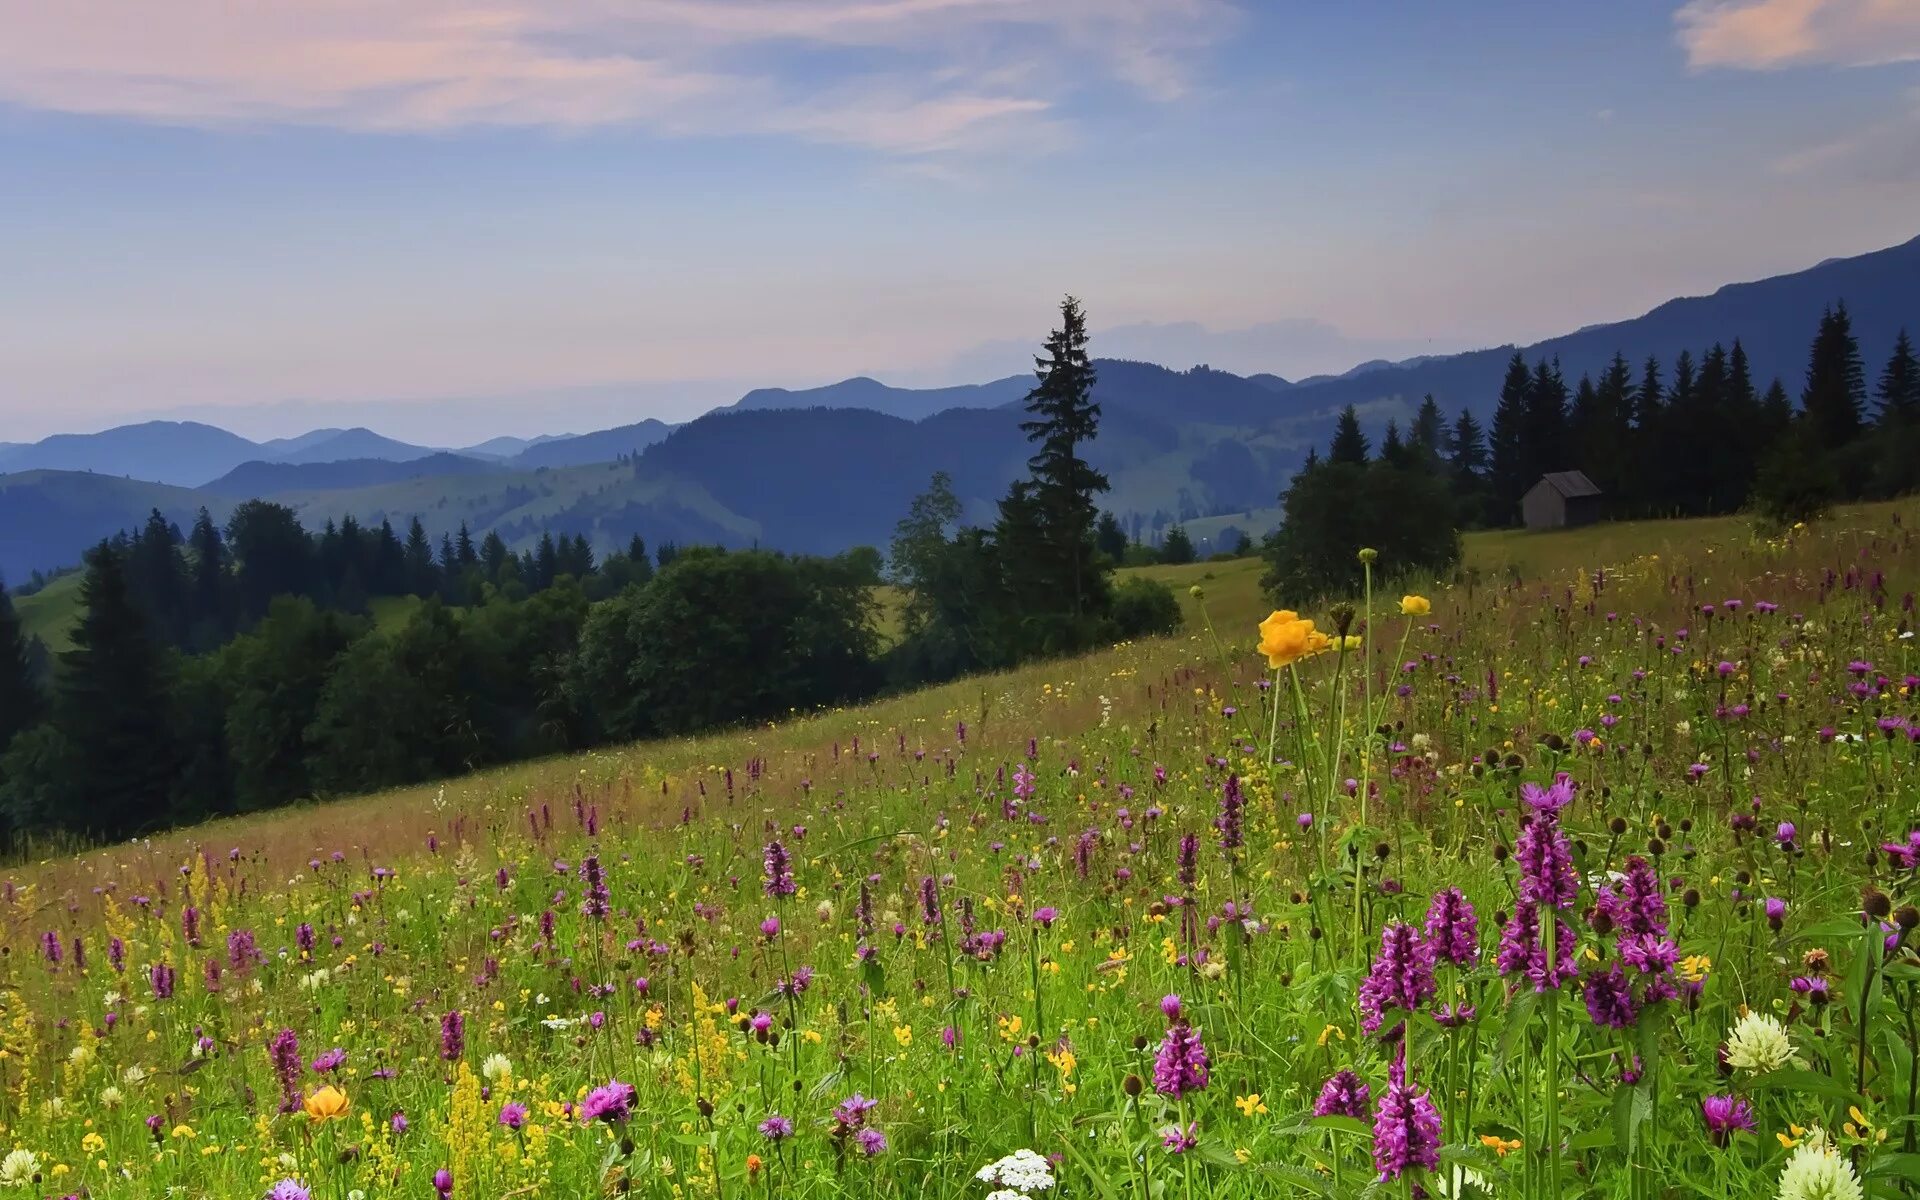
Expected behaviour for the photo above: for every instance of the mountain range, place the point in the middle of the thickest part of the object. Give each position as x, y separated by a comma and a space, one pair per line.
823, 468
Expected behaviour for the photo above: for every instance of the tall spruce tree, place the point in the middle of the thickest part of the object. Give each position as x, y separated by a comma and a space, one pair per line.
1835, 397
1508, 475
112, 707
1349, 444
1467, 467
1065, 418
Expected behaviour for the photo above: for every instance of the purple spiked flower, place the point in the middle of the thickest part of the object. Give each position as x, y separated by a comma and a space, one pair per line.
1181, 1066
1453, 930
453, 1035
284, 1050
778, 870
1609, 998
1344, 1094
1232, 821
1402, 975
1522, 951
1406, 1126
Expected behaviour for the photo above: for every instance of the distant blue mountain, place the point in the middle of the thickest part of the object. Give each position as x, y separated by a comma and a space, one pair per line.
258, 479
604, 446
347, 444
907, 403
184, 453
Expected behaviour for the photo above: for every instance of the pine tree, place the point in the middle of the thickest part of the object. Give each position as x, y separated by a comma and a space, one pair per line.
1899, 390
1393, 451
112, 706
1544, 432
21, 702
1427, 438
421, 577
463, 550
1467, 466
1835, 397
546, 562
1349, 444
1176, 547
1110, 538
1508, 477
1065, 416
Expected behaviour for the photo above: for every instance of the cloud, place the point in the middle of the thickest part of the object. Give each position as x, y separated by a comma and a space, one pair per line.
1767, 34
901, 76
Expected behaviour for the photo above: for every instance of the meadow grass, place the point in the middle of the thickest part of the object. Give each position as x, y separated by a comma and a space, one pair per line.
1162, 914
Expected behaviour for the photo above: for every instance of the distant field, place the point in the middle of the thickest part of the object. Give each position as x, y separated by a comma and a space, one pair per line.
49, 613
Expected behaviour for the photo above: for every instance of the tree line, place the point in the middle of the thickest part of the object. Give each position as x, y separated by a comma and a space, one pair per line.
222, 671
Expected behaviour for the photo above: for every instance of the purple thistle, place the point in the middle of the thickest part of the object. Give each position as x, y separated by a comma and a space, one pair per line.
288, 1189
330, 1061
1401, 978
778, 870
776, 1128
871, 1141
612, 1102
850, 1115
1726, 1116
1344, 1094
1406, 1126
513, 1116
443, 1183
1453, 930
1181, 1066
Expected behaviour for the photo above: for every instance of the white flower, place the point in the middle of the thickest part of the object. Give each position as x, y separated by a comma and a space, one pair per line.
1816, 1171
19, 1168
80, 1055
135, 1075
1018, 1173
110, 1097
496, 1068
1758, 1044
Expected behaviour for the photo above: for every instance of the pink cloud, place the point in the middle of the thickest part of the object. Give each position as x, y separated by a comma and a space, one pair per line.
678, 66
1766, 34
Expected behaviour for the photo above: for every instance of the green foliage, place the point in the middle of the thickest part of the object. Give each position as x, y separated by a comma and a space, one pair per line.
1797, 480
1404, 514
1176, 548
1144, 608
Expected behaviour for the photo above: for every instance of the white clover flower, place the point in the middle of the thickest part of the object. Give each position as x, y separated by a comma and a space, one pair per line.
80, 1055
1758, 1044
135, 1074
110, 1097
496, 1068
18, 1168
1817, 1171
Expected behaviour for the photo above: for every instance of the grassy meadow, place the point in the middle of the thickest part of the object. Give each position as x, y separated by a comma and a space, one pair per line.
1598, 877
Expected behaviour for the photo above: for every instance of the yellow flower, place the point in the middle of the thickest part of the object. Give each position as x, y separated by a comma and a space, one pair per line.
1249, 1105
1286, 637
326, 1104
1415, 606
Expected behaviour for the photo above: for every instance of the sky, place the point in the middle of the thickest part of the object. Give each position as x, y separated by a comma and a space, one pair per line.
449, 221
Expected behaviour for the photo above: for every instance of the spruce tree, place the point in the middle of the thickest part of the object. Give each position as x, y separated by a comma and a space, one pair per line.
1835, 397
419, 576
112, 707
1349, 444
1065, 417
1176, 547
1427, 438
1899, 390
21, 702
1467, 467
1509, 467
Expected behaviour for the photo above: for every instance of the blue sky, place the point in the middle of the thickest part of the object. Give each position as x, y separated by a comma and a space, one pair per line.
563, 214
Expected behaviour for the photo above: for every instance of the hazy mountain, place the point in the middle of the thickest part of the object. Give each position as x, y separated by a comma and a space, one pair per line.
604, 446
276, 447
274, 478
48, 519
348, 444
175, 452
1774, 319
507, 447
874, 396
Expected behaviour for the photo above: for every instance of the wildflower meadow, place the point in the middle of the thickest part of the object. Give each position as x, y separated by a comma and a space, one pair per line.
1597, 880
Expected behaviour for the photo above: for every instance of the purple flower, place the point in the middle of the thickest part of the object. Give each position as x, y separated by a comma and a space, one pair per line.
1045, 916
1401, 978
778, 871
1609, 998
288, 1189
1905, 855
443, 1182
453, 1035
514, 1116
597, 904
1546, 863
330, 1061
1178, 1140
1406, 1126
160, 975
850, 1115
1232, 821
1453, 931
1181, 1066
871, 1142
398, 1123
1189, 867
1548, 801
1776, 909
612, 1102
1522, 950
1726, 1116
1342, 1095
284, 1050
776, 1128
1170, 1006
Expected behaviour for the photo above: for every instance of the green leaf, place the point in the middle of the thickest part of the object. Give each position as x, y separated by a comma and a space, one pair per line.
1799, 1079
1896, 1166
1351, 1125
1098, 1178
